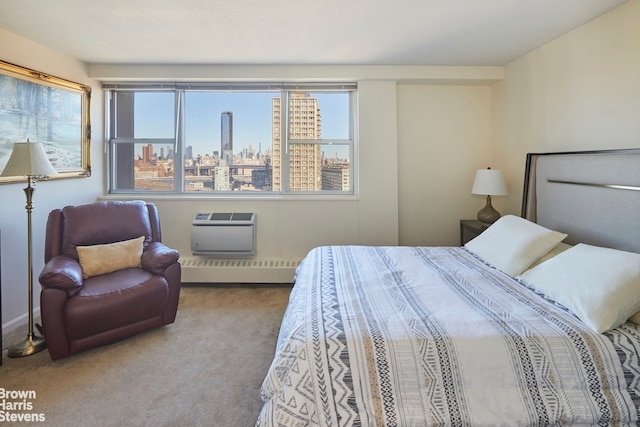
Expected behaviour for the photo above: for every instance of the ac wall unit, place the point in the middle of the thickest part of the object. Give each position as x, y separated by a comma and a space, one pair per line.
224, 235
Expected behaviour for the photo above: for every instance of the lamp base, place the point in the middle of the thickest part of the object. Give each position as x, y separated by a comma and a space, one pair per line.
30, 345
488, 214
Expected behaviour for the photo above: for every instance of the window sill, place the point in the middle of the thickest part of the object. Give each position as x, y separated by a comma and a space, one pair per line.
239, 197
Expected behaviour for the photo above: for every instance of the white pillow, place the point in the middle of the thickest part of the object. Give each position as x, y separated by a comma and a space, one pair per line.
557, 249
599, 285
512, 244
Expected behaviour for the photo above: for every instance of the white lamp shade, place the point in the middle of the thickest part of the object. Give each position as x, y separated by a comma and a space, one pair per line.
489, 182
28, 159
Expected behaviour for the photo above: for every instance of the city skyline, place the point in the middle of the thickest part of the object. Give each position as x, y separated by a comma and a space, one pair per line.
311, 161
252, 119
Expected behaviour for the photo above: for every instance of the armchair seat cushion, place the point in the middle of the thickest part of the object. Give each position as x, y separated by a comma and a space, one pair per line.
114, 300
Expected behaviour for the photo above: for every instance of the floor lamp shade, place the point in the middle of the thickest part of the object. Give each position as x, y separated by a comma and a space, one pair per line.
489, 182
28, 159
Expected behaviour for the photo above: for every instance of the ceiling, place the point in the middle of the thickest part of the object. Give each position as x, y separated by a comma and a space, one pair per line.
302, 32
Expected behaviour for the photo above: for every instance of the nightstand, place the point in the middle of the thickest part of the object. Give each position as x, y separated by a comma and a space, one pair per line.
470, 228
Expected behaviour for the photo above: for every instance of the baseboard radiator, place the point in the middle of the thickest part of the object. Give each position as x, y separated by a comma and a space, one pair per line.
216, 270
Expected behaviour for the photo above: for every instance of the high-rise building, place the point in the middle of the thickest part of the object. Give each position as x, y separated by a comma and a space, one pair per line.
305, 163
226, 137
336, 178
262, 178
147, 153
221, 177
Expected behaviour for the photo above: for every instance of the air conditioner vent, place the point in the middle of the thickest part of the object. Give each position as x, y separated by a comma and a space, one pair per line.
241, 216
220, 216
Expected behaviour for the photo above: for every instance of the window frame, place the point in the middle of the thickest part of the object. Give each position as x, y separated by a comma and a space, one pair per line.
282, 91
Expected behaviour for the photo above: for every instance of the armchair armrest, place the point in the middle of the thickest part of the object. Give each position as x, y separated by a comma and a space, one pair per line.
157, 257
62, 272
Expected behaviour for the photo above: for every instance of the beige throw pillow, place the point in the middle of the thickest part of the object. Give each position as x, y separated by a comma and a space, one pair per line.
103, 259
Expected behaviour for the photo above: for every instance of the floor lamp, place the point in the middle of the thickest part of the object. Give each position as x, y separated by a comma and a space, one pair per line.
28, 159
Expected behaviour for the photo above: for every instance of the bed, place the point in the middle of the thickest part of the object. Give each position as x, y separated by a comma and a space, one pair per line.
531, 323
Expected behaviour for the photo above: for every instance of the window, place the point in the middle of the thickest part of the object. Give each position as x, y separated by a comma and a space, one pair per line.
214, 139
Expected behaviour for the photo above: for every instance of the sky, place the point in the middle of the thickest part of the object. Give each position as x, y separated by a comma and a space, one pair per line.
251, 118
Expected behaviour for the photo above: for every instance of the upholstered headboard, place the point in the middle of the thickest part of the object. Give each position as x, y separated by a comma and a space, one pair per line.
593, 196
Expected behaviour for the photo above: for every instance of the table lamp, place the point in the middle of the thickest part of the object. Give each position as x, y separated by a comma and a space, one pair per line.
489, 182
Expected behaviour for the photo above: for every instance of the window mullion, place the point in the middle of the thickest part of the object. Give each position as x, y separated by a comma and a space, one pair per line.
284, 149
178, 154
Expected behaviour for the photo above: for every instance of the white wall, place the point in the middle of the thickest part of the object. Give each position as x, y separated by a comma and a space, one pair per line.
578, 92
444, 136
48, 195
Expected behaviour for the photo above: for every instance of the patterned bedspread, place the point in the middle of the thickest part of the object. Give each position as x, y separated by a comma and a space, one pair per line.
404, 336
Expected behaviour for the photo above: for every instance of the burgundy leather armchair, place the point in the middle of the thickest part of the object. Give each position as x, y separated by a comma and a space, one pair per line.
81, 313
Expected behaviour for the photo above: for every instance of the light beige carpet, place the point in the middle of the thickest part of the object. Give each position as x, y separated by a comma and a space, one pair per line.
204, 370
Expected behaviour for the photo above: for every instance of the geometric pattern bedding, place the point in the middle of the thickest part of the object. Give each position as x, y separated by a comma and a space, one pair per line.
422, 336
